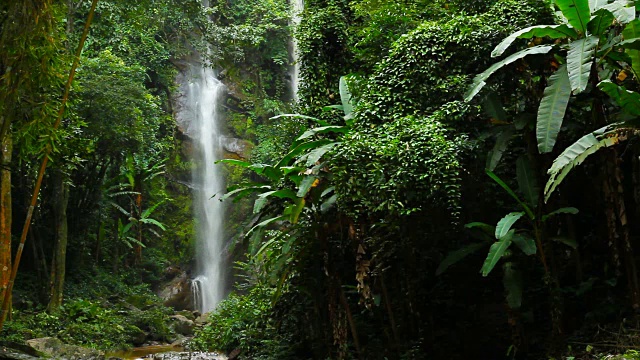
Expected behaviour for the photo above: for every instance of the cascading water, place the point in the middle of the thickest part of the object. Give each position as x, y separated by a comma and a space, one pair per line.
297, 6
201, 97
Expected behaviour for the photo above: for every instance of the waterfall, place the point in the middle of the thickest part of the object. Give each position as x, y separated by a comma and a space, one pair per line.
297, 6
201, 97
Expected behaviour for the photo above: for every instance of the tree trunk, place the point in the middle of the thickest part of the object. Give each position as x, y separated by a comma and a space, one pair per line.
5, 216
60, 201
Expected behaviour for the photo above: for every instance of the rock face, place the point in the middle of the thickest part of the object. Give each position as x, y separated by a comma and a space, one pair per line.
240, 148
181, 325
177, 293
56, 349
18, 352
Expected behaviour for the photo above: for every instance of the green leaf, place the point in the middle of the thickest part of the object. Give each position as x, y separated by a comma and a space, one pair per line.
512, 282
570, 242
527, 182
328, 204
506, 187
314, 155
322, 130
305, 185
455, 256
552, 31
316, 120
623, 10
493, 107
266, 222
243, 191
597, 4
576, 11
502, 142
630, 44
629, 101
552, 108
347, 99
573, 156
632, 31
296, 210
495, 253
526, 243
505, 224
300, 148
259, 204
153, 222
601, 21
480, 80
579, 62
489, 229
564, 210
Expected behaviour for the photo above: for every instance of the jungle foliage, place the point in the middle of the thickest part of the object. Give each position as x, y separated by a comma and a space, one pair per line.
439, 172
461, 177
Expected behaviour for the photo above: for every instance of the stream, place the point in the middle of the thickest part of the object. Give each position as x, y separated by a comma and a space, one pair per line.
164, 352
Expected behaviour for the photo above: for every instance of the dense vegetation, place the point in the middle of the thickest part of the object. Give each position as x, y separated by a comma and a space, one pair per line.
434, 140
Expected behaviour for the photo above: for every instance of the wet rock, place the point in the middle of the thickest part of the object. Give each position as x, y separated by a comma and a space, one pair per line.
202, 319
238, 147
11, 351
182, 325
188, 314
177, 293
189, 356
139, 337
54, 348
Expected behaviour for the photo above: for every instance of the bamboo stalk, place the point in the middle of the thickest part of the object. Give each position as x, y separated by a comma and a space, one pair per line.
43, 166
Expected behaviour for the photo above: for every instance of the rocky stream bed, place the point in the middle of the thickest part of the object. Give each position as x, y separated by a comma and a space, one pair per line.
52, 348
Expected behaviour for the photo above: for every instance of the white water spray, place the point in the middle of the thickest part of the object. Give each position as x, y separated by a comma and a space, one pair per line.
297, 7
201, 99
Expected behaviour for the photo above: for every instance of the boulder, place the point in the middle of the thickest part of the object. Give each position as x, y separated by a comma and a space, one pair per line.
202, 319
177, 293
181, 325
240, 148
54, 348
18, 352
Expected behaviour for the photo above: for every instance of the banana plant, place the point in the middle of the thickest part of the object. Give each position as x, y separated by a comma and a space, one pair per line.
607, 136
587, 36
297, 186
298, 181
500, 237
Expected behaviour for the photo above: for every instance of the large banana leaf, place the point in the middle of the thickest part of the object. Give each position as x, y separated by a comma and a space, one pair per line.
347, 99
512, 281
600, 22
632, 31
506, 188
629, 101
480, 80
505, 224
564, 210
575, 155
493, 106
495, 253
502, 142
552, 108
579, 62
527, 181
552, 31
576, 11
623, 10
525, 243
457, 255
